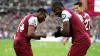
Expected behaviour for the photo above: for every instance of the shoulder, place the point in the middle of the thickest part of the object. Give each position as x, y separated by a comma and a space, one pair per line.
66, 13
85, 15
33, 21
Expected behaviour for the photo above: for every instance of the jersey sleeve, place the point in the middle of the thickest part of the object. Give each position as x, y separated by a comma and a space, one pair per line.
33, 21
80, 17
66, 16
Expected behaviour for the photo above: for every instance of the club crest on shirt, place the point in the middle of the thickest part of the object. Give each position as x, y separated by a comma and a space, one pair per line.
63, 16
34, 21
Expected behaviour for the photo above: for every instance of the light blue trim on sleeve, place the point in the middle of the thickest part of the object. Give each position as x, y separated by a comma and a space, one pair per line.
33, 21
66, 15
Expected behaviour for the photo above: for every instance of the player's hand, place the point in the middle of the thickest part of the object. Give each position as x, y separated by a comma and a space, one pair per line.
58, 33
44, 35
64, 42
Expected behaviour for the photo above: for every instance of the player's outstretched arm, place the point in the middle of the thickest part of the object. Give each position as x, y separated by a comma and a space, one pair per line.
31, 33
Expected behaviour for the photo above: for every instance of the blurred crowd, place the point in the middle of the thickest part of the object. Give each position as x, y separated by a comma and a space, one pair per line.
9, 23
95, 31
25, 3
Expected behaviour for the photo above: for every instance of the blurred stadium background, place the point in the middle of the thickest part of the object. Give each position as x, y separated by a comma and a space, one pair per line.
12, 11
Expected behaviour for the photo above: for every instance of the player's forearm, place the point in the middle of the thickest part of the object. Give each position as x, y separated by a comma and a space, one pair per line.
66, 29
65, 34
35, 36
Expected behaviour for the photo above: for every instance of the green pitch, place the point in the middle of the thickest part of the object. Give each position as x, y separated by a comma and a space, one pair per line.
46, 48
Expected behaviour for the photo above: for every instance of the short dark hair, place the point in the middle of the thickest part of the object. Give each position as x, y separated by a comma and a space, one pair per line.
78, 3
42, 9
57, 4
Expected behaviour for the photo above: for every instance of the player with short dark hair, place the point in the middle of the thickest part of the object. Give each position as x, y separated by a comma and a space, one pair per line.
86, 18
25, 32
73, 27
79, 4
